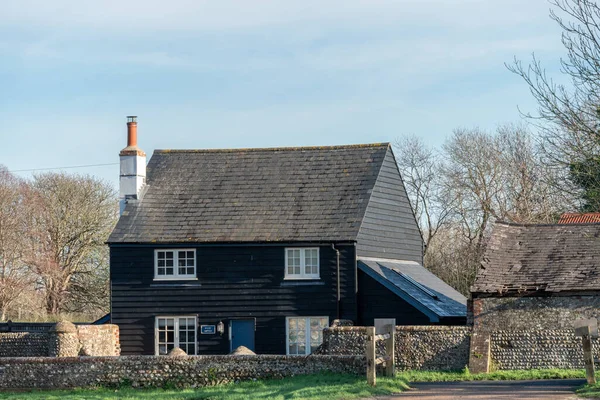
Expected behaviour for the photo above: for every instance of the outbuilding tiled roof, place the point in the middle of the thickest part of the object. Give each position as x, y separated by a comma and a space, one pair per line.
416, 285
577, 218
540, 258
253, 195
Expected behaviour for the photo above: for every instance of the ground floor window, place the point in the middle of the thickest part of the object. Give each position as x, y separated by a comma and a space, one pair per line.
304, 334
174, 332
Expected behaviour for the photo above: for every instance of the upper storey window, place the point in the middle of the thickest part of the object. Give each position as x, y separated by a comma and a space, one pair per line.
302, 263
175, 264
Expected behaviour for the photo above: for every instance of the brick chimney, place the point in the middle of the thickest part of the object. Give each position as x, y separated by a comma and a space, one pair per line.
133, 167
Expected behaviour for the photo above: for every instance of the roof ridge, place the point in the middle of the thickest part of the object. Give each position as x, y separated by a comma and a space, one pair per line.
274, 149
581, 213
526, 225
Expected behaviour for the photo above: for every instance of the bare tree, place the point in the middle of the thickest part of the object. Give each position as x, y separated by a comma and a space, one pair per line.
72, 220
568, 115
421, 170
453, 259
473, 181
476, 178
531, 193
90, 290
15, 279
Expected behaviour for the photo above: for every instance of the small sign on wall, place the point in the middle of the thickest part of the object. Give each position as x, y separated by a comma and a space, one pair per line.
381, 322
207, 329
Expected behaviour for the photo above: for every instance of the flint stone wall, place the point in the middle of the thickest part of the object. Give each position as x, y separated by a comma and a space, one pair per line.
531, 332
161, 371
417, 347
553, 348
532, 313
23, 344
84, 340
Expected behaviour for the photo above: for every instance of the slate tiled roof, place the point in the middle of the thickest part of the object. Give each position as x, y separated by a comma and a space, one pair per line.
416, 285
253, 195
540, 258
576, 218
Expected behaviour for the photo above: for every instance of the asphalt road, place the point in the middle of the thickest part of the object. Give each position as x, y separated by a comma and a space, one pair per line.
556, 389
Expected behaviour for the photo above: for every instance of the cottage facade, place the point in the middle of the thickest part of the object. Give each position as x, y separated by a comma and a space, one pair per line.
264, 248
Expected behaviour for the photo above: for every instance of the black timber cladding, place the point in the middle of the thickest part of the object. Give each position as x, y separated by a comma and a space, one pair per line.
253, 195
234, 281
376, 301
389, 229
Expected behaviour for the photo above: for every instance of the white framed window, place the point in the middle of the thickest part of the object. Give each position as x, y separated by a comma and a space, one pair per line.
304, 334
302, 263
174, 264
172, 332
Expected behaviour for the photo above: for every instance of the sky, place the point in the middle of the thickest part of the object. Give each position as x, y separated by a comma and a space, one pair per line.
261, 73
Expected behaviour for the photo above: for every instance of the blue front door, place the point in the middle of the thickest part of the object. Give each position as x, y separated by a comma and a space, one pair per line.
242, 333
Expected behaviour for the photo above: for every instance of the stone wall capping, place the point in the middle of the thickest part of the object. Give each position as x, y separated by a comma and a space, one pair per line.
347, 329
177, 352
63, 327
342, 322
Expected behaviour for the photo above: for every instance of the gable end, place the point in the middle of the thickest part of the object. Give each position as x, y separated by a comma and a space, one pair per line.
389, 228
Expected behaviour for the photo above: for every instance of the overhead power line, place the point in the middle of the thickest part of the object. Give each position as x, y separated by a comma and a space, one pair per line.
69, 167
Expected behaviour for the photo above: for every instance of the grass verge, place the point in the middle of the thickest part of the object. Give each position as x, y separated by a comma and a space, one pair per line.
308, 387
590, 391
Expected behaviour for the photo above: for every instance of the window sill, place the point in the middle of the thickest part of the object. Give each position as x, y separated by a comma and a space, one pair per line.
175, 284
302, 278
303, 282
175, 279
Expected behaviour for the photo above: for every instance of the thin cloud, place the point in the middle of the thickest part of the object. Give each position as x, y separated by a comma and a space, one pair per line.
202, 15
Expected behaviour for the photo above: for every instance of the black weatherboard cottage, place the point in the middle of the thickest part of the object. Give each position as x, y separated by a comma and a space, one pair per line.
265, 248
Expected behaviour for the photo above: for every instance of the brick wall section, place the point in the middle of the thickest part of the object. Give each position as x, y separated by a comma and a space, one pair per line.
23, 344
479, 351
99, 340
161, 371
417, 347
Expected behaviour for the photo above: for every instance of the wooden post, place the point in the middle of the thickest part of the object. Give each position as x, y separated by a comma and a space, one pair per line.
588, 357
370, 351
390, 365
587, 329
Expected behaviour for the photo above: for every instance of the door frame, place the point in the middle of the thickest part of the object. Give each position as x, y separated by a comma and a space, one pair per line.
253, 319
